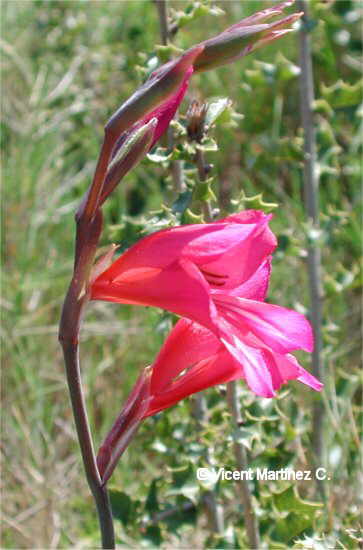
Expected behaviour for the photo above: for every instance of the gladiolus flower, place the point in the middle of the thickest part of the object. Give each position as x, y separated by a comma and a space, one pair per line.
193, 358
182, 269
216, 275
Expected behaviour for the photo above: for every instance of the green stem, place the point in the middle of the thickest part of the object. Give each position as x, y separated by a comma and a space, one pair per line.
311, 195
176, 169
242, 463
163, 20
214, 510
202, 173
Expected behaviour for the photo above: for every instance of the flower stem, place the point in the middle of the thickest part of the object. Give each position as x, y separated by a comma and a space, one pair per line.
311, 196
88, 232
99, 491
241, 460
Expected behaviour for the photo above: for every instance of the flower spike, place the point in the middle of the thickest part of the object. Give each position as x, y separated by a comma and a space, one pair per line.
160, 96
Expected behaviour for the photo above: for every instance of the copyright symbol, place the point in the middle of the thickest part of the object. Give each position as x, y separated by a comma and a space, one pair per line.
203, 474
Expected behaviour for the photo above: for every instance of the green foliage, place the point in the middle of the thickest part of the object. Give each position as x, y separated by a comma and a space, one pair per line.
194, 11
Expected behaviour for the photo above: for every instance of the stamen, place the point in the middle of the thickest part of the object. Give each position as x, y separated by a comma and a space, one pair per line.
214, 283
215, 275
210, 276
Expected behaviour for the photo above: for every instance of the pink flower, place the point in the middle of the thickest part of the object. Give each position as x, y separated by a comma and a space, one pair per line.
181, 269
193, 358
216, 275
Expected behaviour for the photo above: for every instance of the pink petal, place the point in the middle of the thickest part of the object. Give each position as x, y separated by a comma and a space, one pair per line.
247, 216
253, 364
179, 288
159, 249
286, 367
250, 243
281, 367
261, 15
212, 245
165, 112
281, 329
187, 344
255, 288
306, 378
233, 249
216, 369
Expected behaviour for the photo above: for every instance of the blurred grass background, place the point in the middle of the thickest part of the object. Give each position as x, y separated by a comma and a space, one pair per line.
66, 67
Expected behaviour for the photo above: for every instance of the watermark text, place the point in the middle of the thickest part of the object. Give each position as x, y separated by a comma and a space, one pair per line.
261, 474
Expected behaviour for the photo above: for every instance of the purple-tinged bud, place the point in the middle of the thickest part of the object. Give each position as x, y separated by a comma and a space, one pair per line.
243, 37
161, 86
132, 150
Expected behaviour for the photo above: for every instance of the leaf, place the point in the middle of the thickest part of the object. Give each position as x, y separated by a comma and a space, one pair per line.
193, 12
184, 482
203, 191
254, 202
285, 69
190, 217
322, 107
152, 503
244, 436
208, 145
342, 94
290, 526
300, 514
160, 155
290, 500
215, 110
122, 505
185, 513
165, 53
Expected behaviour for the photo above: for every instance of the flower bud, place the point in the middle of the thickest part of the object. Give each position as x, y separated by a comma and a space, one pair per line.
243, 37
162, 85
131, 151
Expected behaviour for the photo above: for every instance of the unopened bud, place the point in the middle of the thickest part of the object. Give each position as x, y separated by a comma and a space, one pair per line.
243, 37
162, 85
130, 152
